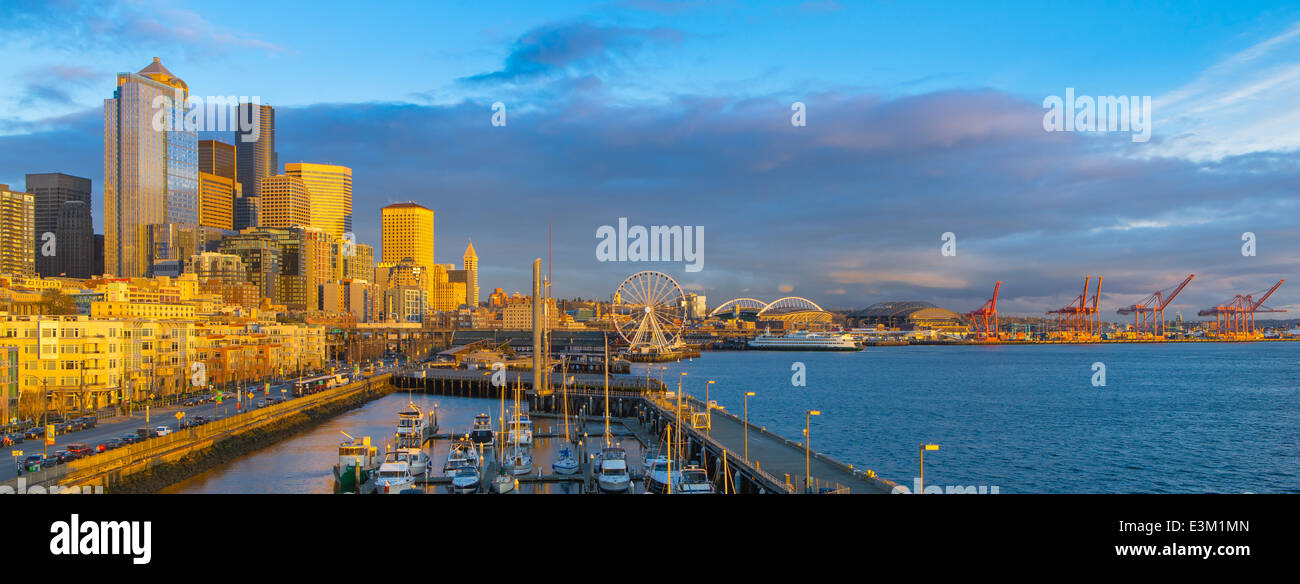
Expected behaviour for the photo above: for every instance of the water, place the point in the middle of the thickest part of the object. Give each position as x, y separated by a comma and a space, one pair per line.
1172, 418
304, 463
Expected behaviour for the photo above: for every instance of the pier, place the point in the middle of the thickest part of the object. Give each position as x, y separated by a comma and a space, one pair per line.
714, 439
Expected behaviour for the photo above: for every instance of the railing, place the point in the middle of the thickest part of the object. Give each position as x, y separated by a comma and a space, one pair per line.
670, 405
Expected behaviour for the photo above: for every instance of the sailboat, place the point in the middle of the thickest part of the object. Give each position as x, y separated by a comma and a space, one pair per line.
517, 460
612, 476
503, 482
566, 463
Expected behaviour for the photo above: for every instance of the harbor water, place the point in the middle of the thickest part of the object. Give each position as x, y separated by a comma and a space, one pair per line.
1171, 418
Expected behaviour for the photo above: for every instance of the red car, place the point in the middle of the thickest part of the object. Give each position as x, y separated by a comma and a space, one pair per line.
80, 450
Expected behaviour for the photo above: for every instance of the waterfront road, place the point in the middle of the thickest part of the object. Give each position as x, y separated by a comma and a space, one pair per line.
119, 426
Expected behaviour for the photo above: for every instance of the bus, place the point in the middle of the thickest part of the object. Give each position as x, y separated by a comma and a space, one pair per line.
319, 383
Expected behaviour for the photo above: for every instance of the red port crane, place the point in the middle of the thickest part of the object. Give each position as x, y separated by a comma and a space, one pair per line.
1236, 316
1076, 318
1149, 314
986, 314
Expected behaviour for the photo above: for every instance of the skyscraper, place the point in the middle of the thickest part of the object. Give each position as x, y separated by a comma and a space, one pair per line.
17, 232
151, 169
255, 158
285, 201
330, 188
52, 190
407, 232
219, 158
471, 275
216, 201
75, 237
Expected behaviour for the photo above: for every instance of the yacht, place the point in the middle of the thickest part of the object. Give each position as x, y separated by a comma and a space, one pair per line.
503, 483
517, 460
464, 479
612, 476
357, 462
693, 481
462, 453
394, 478
414, 458
410, 427
805, 341
481, 433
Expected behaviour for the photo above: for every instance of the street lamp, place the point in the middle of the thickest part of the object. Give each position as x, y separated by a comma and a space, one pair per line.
807, 448
708, 410
925, 447
748, 395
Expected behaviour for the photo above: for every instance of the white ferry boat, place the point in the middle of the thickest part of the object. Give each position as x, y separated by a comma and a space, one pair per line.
805, 341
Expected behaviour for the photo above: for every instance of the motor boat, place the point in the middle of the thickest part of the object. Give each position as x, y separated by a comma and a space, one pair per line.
481, 434
693, 480
394, 478
657, 476
415, 459
462, 453
612, 476
465, 479
521, 430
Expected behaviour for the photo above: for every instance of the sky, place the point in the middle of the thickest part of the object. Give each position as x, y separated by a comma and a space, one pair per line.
922, 118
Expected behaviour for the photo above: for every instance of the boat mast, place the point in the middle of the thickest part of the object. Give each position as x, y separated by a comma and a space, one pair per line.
606, 389
564, 388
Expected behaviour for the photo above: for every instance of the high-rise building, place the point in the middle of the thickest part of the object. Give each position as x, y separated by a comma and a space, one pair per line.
407, 232
330, 188
286, 202
219, 158
255, 160
75, 241
17, 232
151, 167
216, 201
471, 275
52, 190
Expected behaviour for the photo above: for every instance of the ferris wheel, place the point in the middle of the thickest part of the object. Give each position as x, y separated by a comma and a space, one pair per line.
649, 310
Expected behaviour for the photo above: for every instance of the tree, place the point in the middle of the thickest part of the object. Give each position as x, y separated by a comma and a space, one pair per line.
56, 302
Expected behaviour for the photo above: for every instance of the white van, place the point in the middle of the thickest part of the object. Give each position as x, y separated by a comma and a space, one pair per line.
162, 430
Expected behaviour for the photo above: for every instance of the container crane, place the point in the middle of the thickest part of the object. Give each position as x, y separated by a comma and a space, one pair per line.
1149, 314
1075, 319
1236, 317
985, 314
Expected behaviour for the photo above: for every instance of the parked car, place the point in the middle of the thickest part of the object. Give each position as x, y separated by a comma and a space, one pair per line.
200, 420
111, 444
62, 456
89, 421
34, 433
162, 431
17, 437
33, 462
130, 439
80, 449
6, 441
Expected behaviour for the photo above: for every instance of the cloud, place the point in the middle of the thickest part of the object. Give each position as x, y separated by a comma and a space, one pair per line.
555, 50
1245, 103
91, 26
853, 204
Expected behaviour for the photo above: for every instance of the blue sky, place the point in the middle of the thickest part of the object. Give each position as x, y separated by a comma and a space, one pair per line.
922, 118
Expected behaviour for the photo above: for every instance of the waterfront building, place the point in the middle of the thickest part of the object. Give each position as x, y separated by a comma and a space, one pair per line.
519, 315
150, 176
255, 160
17, 232
329, 189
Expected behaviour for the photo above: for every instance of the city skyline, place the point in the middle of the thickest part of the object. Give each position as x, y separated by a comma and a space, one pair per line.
848, 210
